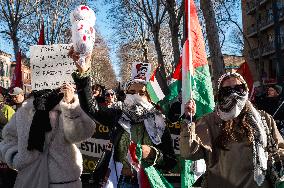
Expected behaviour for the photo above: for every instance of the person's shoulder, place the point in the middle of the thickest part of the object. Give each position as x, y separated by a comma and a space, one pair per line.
209, 118
7, 107
27, 104
265, 115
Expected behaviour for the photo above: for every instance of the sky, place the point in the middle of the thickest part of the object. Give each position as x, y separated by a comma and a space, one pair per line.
102, 24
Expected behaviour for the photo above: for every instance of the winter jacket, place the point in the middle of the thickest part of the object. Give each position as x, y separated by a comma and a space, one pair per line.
231, 167
6, 114
71, 125
110, 117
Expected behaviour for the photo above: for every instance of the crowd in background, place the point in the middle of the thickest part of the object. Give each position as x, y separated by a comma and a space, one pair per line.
268, 98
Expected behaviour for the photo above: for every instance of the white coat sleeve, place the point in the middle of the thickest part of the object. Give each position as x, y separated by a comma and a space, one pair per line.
77, 125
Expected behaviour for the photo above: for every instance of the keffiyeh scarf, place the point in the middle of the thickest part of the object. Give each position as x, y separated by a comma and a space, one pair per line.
135, 111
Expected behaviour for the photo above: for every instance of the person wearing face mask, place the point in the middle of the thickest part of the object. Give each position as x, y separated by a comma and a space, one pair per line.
240, 144
135, 120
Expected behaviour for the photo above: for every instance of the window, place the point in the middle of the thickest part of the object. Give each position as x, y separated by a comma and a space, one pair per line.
272, 69
1, 68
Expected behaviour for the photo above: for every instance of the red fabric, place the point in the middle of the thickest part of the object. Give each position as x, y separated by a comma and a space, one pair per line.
199, 57
132, 150
153, 75
144, 181
245, 72
177, 72
41, 40
17, 75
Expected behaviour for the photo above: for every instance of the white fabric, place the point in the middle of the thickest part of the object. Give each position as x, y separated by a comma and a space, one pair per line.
260, 154
235, 111
115, 172
74, 125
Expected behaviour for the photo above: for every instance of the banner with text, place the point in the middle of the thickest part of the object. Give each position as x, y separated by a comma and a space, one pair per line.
51, 66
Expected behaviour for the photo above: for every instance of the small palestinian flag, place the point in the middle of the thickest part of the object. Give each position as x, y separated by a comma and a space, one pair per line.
149, 176
157, 86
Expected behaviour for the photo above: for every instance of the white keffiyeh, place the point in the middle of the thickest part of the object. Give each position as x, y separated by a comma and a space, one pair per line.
136, 110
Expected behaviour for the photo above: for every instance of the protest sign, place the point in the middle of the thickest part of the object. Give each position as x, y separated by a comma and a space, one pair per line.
51, 66
141, 71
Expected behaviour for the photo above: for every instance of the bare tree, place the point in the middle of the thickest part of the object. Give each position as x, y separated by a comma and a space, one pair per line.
175, 10
213, 39
11, 15
102, 69
57, 26
151, 13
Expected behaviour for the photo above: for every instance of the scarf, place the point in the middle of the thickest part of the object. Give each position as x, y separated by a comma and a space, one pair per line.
135, 110
44, 101
264, 145
260, 143
231, 106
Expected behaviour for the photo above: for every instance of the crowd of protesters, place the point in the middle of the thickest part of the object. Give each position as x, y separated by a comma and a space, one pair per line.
240, 141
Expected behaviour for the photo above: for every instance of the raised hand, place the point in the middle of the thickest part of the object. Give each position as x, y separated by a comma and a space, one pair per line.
75, 56
68, 92
190, 108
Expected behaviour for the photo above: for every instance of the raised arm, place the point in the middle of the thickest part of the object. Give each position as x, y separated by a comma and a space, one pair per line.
195, 139
103, 115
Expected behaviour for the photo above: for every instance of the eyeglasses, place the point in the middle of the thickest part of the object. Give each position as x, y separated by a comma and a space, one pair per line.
132, 92
227, 90
109, 94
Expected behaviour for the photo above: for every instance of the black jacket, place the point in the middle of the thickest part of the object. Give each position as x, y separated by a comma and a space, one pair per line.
110, 116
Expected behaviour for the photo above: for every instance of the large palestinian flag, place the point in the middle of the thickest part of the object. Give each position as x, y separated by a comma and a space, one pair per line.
196, 79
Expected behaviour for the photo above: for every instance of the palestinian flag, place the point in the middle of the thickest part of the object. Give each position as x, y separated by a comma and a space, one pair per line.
195, 68
148, 176
157, 86
196, 79
174, 88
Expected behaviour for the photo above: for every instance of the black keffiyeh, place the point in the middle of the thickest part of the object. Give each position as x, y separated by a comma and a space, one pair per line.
44, 101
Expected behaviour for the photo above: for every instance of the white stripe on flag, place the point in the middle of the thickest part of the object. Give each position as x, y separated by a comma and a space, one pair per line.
156, 87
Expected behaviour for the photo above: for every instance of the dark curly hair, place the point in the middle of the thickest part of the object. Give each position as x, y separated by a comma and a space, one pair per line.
235, 130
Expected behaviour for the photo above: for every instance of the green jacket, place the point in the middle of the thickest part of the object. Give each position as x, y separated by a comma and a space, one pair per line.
6, 113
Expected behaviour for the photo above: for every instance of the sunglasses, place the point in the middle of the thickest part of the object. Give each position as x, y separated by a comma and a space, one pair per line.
132, 92
109, 94
227, 90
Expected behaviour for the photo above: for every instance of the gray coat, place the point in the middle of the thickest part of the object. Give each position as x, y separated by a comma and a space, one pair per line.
64, 159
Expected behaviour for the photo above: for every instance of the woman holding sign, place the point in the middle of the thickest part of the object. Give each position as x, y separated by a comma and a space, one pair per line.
39, 140
142, 143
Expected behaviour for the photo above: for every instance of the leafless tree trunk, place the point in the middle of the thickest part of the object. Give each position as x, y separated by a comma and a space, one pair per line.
175, 13
213, 39
11, 14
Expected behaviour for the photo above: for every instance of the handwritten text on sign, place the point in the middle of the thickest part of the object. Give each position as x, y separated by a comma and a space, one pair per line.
51, 66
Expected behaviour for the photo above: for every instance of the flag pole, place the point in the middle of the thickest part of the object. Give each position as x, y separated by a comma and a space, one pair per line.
189, 52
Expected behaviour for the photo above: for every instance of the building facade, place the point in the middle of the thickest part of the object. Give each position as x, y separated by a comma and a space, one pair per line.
263, 26
232, 64
5, 69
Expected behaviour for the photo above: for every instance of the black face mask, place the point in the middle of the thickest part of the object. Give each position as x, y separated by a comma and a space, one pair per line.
228, 90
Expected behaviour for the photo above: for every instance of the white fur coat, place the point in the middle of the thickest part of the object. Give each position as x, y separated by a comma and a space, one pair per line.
64, 159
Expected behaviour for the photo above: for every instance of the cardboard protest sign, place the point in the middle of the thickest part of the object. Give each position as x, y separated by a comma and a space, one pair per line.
51, 66
141, 71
